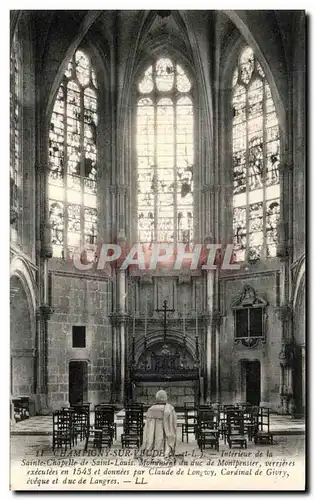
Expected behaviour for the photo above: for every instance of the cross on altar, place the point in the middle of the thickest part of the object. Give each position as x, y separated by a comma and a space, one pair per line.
165, 310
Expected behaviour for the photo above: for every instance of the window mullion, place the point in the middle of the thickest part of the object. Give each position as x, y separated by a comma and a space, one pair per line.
248, 322
65, 171
82, 167
264, 151
175, 222
155, 175
247, 176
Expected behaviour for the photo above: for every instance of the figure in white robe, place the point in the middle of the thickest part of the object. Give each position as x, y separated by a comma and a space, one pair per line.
159, 432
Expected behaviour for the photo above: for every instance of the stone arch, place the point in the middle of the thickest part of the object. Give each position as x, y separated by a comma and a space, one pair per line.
22, 330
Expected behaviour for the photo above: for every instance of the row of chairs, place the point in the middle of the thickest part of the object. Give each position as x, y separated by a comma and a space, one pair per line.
233, 423
69, 425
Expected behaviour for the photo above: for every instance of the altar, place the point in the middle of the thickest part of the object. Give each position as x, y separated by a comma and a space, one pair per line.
166, 361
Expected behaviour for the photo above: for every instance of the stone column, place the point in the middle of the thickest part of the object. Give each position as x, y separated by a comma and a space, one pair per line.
122, 327
209, 313
44, 311
284, 252
113, 395
43, 314
264, 383
303, 375
217, 322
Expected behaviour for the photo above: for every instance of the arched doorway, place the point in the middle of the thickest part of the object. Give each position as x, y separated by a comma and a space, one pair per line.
22, 340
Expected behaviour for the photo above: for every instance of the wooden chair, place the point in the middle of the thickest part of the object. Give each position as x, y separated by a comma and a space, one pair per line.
93, 436
262, 435
208, 435
251, 421
189, 425
81, 419
235, 429
105, 418
207, 432
62, 429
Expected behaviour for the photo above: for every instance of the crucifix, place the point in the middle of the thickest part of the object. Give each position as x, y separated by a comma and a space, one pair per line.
165, 310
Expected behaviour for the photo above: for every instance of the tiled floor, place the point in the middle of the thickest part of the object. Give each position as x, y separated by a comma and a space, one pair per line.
42, 425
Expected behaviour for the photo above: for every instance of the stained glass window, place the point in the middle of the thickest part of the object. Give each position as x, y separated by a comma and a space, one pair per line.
15, 132
256, 156
165, 154
73, 161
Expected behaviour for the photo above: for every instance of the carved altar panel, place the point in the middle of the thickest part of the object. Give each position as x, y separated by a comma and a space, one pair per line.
166, 361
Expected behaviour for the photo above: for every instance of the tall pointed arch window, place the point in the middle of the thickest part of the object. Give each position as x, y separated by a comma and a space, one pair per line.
15, 131
165, 154
73, 161
256, 156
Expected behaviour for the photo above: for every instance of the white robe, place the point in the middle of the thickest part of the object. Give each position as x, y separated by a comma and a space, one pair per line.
159, 432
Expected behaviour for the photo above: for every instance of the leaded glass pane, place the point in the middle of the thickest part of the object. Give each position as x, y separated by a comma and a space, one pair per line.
82, 67
256, 154
73, 180
235, 77
56, 217
239, 231
90, 222
164, 74
146, 84
246, 64
182, 82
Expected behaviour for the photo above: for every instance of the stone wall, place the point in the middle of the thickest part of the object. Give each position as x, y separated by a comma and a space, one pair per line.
233, 354
84, 302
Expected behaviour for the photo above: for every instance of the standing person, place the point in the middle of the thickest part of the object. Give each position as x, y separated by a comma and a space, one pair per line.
160, 428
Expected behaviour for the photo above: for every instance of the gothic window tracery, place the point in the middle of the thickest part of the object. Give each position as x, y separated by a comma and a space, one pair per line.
15, 131
256, 156
165, 154
73, 161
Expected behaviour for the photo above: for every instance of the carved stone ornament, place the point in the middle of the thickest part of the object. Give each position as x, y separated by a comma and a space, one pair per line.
284, 312
45, 311
287, 354
248, 298
249, 342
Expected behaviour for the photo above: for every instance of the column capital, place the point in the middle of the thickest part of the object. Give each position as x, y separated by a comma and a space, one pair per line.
44, 311
122, 188
119, 318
